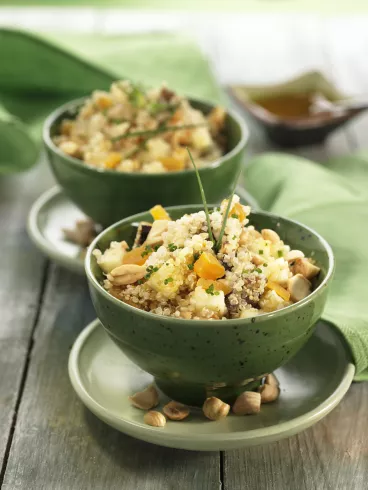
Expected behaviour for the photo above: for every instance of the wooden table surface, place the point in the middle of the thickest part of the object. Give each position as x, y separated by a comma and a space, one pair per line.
48, 440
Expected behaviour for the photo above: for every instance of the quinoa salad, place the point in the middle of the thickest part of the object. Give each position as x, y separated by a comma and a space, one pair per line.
174, 268
132, 129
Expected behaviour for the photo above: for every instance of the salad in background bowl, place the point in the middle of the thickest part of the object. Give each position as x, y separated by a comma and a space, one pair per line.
120, 152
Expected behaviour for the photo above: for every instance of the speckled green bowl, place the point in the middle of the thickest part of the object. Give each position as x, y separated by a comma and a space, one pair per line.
108, 196
191, 360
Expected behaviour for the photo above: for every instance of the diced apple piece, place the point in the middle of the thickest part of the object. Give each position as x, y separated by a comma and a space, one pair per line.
155, 235
213, 302
299, 287
112, 257
167, 280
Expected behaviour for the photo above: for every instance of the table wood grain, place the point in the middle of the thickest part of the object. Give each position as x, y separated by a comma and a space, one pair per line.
48, 440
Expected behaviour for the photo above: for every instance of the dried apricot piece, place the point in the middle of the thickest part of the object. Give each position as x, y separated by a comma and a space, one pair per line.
158, 212
238, 210
220, 285
135, 256
279, 290
208, 267
113, 160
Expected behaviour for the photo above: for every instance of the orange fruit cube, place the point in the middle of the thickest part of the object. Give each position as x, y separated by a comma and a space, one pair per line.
279, 290
135, 256
239, 211
158, 212
103, 101
220, 285
112, 160
172, 163
208, 267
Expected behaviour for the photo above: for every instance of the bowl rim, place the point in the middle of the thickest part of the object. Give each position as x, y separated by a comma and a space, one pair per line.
72, 104
206, 323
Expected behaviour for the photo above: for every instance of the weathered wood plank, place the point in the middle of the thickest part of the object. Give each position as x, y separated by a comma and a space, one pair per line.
59, 445
332, 455
21, 271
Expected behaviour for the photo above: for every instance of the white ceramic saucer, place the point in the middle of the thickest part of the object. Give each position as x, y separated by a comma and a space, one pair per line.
53, 211
312, 384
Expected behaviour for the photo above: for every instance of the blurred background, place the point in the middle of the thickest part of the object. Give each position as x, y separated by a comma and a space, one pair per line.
247, 42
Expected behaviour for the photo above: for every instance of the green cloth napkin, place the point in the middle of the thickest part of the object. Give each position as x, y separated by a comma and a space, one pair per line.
37, 74
333, 200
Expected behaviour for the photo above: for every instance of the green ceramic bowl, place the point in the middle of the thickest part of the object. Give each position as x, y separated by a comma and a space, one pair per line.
190, 359
108, 196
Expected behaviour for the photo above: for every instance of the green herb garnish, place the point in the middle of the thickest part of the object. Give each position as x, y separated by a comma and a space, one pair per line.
146, 251
234, 237
153, 132
156, 247
172, 247
191, 266
280, 253
265, 265
260, 252
203, 198
137, 97
235, 216
257, 269
211, 290
226, 215
117, 121
156, 107
140, 281
167, 280
150, 270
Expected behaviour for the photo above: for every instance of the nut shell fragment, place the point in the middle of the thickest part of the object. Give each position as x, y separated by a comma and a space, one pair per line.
305, 268
257, 259
146, 399
270, 235
156, 419
215, 409
126, 274
269, 393
248, 403
271, 380
176, 411
83, 233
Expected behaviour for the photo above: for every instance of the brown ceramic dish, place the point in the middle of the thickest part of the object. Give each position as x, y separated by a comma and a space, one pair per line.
287, 128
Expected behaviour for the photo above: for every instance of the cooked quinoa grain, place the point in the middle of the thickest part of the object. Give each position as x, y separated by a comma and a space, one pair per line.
182, 276
131, 129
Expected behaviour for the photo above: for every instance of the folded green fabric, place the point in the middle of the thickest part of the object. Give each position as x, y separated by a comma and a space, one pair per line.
333, 200
37, 74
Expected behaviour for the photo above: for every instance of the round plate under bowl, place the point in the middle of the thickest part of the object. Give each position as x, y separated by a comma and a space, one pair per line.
312, 384
53, 211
